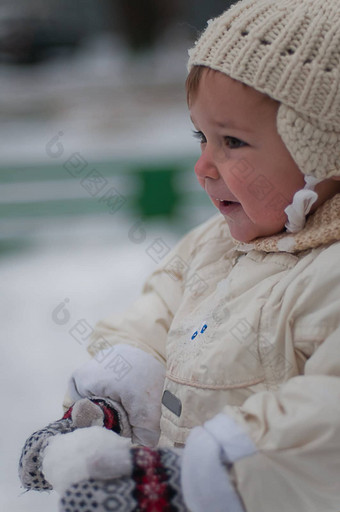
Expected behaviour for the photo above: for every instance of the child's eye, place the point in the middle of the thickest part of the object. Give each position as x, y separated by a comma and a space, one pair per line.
200, 136
234, 143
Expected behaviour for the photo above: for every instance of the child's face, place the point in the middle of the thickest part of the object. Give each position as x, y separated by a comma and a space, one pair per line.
244, 166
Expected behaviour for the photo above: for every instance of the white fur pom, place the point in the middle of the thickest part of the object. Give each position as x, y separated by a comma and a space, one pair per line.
93, 452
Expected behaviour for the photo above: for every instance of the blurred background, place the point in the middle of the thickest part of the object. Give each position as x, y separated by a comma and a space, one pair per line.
96, 186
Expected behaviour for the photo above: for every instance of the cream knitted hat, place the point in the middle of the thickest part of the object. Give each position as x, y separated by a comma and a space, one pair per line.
289, 50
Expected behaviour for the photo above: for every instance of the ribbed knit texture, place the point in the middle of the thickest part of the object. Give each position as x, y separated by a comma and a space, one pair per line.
289, 50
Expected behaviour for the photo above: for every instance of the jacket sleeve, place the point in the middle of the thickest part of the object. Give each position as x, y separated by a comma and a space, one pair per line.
296, 431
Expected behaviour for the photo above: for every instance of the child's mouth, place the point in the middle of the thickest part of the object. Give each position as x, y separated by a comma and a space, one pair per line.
226, 207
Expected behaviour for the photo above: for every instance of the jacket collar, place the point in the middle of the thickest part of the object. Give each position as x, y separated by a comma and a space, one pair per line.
322, 228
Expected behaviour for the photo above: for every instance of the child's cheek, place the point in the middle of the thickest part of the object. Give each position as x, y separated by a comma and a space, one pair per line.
234, 183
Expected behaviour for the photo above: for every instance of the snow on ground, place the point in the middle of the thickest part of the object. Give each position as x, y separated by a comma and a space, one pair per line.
81, 272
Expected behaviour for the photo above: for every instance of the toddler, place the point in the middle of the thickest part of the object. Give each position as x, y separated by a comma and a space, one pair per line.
219, 388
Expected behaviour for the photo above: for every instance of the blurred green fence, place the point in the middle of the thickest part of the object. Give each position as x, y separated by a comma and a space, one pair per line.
76, 187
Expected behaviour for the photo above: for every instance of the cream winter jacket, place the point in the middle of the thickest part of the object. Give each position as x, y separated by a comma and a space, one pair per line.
250, 331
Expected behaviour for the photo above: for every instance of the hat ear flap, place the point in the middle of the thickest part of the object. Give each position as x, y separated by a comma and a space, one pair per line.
314, 148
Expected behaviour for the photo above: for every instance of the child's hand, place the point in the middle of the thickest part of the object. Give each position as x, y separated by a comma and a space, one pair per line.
133, 380
84, 413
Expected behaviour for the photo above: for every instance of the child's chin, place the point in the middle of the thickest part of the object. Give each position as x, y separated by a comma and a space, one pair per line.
247, 232
241, 235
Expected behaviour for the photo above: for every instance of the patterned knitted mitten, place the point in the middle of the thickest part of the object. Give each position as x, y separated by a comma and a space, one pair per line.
83, 413
30, 462
154, 486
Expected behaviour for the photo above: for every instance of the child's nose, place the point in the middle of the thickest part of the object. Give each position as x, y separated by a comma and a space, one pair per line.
205, 166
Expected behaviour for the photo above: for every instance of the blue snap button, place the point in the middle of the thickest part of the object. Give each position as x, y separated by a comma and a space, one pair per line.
204, 327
